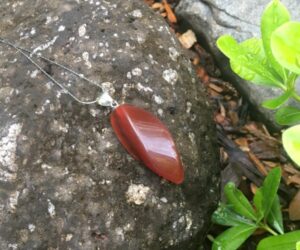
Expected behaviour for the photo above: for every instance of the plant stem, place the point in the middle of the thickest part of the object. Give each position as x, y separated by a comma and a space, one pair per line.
296, 96
267, 228
290, 83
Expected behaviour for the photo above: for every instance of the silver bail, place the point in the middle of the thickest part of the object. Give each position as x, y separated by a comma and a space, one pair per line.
106, 100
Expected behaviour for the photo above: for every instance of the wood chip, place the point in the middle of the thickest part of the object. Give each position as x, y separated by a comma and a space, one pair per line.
253, 188
294, 207
243, 144
219, 118
290, 169
215, 87
196, 60
222, 110
294, 179
164, 14
260, 166
158, 6
253, 129
170, 14
149, 2
188, 39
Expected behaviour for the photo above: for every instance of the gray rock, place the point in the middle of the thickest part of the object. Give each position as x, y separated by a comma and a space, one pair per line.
241, 19
65, 180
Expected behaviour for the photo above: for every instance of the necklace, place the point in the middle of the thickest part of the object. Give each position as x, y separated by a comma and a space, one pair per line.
141, 133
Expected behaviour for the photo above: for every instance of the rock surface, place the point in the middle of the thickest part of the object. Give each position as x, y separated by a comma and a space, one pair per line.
66, 182
241, 19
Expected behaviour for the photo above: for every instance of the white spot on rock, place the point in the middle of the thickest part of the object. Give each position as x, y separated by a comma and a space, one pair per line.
137, 194
69, 237
173, 53
128, 75
85, 57
82, 30
164, 200
141, 87
170, 75
33, 31
158, 99
189, 222
109, 218
48, 20
137, 13
34, 73
120, 233
45, 46
51, 208
8, 146
189, 107
61, 28
136, 72
31, 227
160, 112
46, 166
192, 137
13, 246
13, 201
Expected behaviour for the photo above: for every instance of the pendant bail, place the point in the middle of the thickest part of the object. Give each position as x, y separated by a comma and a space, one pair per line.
106, 100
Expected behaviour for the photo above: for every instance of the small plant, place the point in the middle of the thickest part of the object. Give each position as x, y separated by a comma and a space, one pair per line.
272, 61
245, 218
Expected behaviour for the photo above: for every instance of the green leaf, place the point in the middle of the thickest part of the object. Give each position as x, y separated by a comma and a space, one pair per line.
233, 238
291, 143
278, 101
269, 189
287, 116
258, 202
280, 242
298, 245
225, 216
239, 202
275, 216
249, 61
285, 44
274, 15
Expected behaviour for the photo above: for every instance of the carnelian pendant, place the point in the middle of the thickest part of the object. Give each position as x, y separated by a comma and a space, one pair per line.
148, 140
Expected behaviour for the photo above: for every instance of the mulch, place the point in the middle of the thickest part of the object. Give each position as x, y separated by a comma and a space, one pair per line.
248, 149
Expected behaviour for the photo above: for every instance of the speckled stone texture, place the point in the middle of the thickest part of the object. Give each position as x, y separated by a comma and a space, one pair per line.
65, 180
241, 19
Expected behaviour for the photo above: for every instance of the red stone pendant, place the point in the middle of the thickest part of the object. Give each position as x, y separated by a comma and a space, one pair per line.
148, 140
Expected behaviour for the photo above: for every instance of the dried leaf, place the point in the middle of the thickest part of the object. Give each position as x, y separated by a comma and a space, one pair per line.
290, 169
233, 117
266, 149
188, 39
294, 207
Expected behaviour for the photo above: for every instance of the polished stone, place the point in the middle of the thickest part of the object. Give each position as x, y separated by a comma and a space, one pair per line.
148, 140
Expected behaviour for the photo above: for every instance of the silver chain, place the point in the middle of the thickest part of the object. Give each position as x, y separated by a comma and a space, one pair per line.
30, 54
